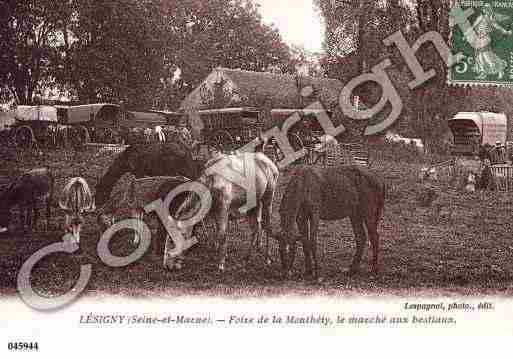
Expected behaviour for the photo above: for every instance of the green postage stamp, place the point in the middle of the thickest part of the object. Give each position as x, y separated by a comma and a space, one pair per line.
482, 32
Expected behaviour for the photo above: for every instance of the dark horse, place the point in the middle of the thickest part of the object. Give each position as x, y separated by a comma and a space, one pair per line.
148, 160
330, 193
26, 192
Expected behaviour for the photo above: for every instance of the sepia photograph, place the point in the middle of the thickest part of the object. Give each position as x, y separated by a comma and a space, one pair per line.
254, 165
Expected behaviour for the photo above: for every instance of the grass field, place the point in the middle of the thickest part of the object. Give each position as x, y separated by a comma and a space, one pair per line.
467, 250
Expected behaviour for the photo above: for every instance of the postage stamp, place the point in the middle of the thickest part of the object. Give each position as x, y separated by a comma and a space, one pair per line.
482, 32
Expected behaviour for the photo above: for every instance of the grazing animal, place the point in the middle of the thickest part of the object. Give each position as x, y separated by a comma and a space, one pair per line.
76, 199
329, 193
228, 197
142, 192
148, 160
26, 192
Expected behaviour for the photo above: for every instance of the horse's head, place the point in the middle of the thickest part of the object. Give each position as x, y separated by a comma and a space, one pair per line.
73, 227
105, 220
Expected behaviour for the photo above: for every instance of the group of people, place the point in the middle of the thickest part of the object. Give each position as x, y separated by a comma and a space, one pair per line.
489, 156
162, 133
494, 154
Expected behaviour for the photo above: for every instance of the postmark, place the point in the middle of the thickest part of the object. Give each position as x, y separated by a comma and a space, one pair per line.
482, 31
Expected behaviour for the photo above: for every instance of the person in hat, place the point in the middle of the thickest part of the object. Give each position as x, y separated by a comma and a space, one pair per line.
185, 135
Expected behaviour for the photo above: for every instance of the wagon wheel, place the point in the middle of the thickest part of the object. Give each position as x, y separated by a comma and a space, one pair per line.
25, 137
223, 140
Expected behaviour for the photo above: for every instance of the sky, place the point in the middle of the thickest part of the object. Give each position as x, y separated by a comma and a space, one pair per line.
297, 21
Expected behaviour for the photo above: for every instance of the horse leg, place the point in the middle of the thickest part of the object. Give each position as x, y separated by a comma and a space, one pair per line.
313, 227
138, 215
48, 213
257, 235
35, 211
256, 228
372, 230
158, 241
303, 224
267, 210
222, 223
360, 237
28, 217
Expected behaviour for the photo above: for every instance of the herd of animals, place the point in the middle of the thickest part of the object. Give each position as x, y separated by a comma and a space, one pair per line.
313, 194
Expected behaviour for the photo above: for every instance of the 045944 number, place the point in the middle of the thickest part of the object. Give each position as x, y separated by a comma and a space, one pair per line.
23, 346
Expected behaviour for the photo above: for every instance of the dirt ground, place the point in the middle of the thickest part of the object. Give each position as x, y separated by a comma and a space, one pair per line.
466, 250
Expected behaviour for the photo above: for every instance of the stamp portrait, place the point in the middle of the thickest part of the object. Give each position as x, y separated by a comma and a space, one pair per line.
486, 42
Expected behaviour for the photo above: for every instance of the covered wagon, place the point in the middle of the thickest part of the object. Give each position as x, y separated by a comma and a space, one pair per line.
471, 130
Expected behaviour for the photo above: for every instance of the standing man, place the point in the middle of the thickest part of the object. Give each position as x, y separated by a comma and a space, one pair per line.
185, 135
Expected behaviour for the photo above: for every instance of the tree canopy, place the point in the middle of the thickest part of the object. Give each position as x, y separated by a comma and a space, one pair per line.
149, 53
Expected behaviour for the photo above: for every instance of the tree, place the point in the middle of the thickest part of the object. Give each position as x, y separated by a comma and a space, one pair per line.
150, 53
222, 33
27, 41
118, 52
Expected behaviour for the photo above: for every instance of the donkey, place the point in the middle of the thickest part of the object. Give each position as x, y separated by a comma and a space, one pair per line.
26, 192
76, 199
329, 193
228, 197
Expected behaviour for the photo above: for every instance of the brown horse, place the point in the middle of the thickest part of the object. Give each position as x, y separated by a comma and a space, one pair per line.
229, 196
329, 193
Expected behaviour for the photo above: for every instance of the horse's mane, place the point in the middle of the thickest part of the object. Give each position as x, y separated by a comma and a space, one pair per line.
77, 189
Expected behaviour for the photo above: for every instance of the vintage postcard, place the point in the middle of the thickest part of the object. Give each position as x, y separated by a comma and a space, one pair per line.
255, 177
